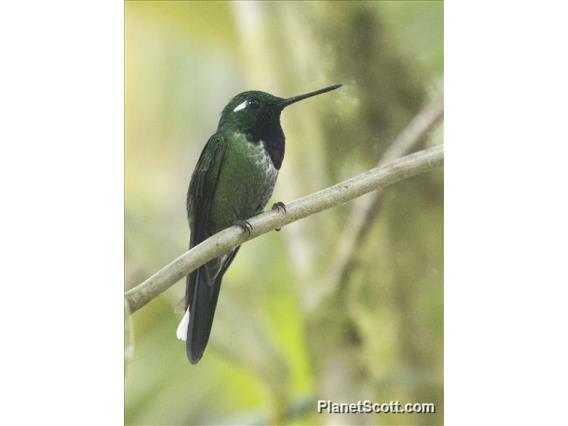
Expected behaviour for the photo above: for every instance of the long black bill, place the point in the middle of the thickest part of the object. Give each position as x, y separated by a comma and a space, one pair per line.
298, 98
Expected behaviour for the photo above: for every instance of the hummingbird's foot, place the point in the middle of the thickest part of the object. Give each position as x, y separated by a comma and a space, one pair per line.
280, 206
244, 225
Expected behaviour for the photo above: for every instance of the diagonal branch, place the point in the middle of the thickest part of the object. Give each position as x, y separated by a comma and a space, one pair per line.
224, 241
356, 229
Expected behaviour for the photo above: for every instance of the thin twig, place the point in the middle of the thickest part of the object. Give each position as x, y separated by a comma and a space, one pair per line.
357, 224
224, 241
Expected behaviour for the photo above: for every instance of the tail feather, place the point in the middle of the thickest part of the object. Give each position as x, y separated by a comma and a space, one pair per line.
181, 331
203, 286
202, 310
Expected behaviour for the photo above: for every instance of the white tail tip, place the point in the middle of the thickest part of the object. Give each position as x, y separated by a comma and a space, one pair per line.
181, 332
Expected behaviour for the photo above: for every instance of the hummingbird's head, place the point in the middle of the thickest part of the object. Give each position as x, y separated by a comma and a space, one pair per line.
249, 112
257, 112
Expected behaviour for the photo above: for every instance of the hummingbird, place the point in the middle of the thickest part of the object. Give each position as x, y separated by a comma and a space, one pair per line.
232, 181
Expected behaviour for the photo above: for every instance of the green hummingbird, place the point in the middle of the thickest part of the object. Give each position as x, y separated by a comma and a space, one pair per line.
232, 181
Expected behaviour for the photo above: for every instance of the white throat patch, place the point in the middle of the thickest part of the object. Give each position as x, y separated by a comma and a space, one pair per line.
240, 106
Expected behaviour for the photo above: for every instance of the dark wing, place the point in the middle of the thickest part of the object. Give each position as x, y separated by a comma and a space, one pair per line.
203, 284
202, 188
200, 197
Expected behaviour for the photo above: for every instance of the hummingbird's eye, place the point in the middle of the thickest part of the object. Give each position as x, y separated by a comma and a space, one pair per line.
254, 103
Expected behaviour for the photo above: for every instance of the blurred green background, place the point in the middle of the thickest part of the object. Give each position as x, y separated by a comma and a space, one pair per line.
277, 344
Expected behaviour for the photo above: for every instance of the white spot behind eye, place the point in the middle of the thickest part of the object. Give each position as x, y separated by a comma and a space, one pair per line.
240, 106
